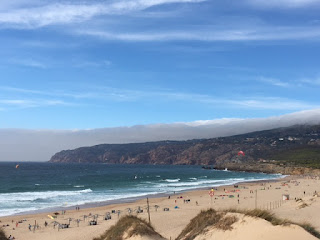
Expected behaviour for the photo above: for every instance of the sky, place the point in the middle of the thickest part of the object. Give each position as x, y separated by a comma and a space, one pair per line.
103, 64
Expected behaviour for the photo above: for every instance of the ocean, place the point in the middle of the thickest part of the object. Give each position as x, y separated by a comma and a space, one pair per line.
37, 187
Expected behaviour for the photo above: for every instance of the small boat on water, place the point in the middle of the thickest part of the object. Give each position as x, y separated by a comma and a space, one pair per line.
17, 166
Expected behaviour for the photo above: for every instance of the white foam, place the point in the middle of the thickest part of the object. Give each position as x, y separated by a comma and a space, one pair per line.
32, 196
172, 180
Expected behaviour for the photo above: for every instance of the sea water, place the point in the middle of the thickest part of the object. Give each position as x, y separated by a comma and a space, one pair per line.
54, 186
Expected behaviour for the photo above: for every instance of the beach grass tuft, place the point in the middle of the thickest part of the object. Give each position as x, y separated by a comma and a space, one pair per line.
205, 219
310, 229
129, 226
266, 215
2, 235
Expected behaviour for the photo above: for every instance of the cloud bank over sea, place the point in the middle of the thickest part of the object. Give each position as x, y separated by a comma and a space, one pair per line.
19, 145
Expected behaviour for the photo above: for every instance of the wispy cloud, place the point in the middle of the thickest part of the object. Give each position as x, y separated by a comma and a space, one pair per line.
28, 63
254, 102
263, 33
66, 13
107, 94
70, 13
84, 64
274, 81
30, 103
274, 103
310, 81
283, 3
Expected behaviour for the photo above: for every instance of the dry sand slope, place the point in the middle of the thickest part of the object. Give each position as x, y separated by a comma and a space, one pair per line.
249, 228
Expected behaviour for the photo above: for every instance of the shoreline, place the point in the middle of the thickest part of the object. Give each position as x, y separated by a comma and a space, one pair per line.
170, 223
135, 199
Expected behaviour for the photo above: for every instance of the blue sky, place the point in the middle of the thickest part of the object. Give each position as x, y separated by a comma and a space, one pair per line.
94, 64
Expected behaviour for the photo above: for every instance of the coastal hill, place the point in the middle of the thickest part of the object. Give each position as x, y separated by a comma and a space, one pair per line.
296, 146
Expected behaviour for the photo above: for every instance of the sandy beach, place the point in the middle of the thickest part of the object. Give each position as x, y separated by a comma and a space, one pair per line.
182, 207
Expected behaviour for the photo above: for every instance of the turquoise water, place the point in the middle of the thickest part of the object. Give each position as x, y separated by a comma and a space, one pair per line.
39, 186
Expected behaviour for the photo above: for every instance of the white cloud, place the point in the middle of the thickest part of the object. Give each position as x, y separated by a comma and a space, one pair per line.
311, 81
30, 103
273, 81
273, 103
263, 33
84, 64
283, 3
40, 145
35, 17
28, 63
128, 95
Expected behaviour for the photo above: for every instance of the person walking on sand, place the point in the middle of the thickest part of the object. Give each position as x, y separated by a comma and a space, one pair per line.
29, 227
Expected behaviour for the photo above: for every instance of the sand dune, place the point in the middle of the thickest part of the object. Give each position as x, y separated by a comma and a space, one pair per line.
249, 228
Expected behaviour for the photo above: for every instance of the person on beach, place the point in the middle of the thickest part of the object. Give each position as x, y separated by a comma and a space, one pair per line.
29, 227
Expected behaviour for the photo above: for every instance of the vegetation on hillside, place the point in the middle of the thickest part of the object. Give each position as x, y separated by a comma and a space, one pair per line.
303, 156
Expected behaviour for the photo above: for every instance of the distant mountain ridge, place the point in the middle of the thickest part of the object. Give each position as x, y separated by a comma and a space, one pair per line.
41, 144
263, 146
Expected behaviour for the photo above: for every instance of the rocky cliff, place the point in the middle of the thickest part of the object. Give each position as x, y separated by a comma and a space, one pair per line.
293, 146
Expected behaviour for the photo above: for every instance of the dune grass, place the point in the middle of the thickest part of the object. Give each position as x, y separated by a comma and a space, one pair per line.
268, 216
131, 226
2, 235
204, 219
310, 229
